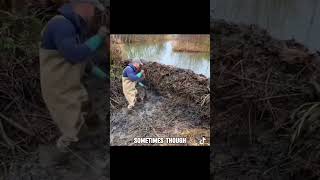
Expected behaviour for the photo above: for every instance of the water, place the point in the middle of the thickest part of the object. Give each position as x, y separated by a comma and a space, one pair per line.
163, 53
284, 19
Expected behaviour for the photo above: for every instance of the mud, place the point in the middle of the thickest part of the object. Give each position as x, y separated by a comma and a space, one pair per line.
168, 110
260, 82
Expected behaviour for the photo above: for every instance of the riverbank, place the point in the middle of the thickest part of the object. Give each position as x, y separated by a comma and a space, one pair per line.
137, 38
194, 47
163, 53
176, 106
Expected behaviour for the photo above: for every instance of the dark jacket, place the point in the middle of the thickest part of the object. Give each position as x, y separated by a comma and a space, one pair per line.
131, 72
67, 35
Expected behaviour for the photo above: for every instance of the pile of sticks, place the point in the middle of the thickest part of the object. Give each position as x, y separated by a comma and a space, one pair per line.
259, 82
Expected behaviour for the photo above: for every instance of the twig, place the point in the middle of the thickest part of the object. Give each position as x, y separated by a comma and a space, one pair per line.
114, 100
7, 13
9, 105
83, 160
16, 125
250, 130
23, 116
280, 96
205, 99
5, 137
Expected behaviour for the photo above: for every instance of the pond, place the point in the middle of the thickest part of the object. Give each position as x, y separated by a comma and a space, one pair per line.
162, 52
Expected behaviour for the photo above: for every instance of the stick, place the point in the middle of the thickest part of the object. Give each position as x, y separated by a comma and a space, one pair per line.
114, 100
280, 96
16, 125
83, 160
9, 105
5, 137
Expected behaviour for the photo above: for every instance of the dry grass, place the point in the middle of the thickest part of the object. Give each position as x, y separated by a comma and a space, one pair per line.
117, 53
187, 46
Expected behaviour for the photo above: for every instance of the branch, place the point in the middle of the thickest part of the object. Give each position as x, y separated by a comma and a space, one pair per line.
10, 121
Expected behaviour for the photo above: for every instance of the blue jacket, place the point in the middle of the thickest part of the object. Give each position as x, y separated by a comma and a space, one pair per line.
131, 72
67, 36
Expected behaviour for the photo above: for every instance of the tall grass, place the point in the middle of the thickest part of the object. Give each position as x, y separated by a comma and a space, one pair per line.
192, 43
132, 38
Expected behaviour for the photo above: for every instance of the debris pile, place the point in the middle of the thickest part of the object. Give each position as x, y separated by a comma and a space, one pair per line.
24, 120
266, 116
180, 83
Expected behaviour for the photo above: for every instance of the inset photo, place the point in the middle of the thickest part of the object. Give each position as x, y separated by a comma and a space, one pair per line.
160, 90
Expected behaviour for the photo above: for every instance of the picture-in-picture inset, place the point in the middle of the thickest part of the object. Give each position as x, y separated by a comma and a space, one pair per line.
160, 90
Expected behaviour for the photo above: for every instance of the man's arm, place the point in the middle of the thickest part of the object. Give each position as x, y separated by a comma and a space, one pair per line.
132, 76
65, 39
66, 42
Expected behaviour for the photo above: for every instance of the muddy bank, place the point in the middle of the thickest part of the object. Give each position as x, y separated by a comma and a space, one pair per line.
266, 105
177, 105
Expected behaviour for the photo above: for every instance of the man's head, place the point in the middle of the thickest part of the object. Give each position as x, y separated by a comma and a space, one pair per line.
86, 8
137, 63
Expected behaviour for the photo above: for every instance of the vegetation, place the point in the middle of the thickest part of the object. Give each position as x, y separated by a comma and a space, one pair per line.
192, 43
131, 38
23, 118
117, 52
182, 43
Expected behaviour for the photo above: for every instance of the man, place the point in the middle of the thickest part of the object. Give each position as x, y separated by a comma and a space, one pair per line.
64, 54
132, 75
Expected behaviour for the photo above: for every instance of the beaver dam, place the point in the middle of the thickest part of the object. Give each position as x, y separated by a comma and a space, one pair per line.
176, 105
267, 104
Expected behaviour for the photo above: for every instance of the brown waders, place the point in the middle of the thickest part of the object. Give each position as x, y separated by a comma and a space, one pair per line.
129, 91
64, 94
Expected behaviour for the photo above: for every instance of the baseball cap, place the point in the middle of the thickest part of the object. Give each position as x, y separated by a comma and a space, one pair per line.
96, 3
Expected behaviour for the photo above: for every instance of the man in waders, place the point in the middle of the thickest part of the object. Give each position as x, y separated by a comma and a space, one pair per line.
65, 52
132, 75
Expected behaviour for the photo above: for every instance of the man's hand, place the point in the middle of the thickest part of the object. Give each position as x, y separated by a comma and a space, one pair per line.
143, 74
103, 31
97, 40
99, 73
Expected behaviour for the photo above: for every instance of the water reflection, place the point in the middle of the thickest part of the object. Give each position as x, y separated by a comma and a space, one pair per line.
163, 53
